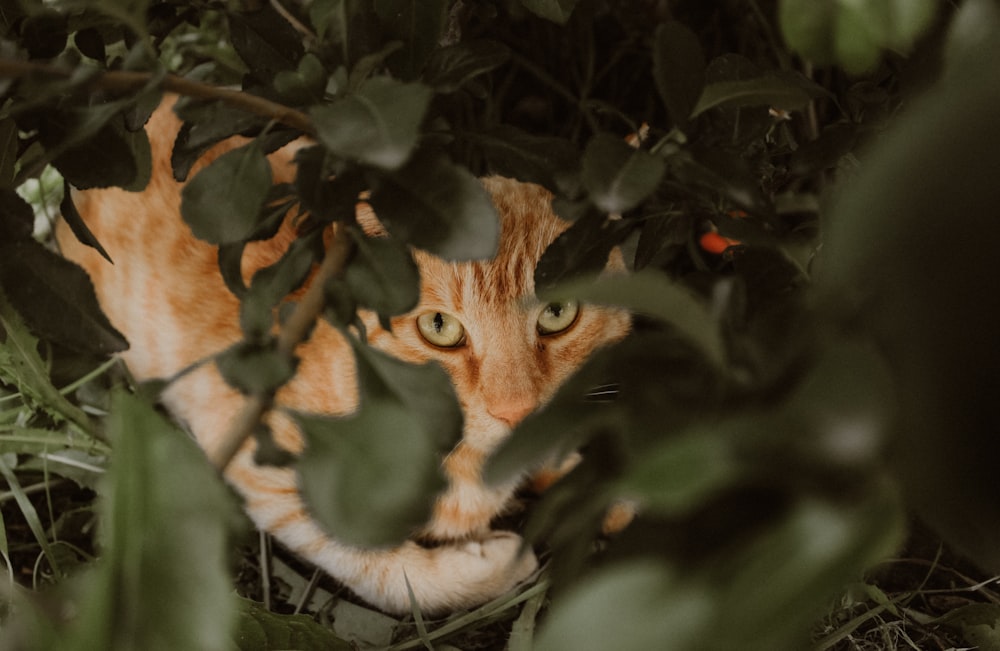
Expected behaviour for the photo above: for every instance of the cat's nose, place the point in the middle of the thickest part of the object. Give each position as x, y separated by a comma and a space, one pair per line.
512, 410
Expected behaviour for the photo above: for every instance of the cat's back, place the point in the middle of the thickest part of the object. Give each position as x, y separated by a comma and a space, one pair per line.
162, 287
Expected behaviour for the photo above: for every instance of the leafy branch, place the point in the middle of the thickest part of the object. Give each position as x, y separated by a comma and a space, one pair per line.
295, 330
126, 81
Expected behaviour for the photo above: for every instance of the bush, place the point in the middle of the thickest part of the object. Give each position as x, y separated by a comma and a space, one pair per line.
807, 225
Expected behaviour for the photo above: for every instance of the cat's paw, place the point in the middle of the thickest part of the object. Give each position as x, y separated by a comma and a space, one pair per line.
470, 573
499, 562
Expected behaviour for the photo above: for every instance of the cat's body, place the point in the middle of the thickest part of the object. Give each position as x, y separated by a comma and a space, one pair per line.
165, 293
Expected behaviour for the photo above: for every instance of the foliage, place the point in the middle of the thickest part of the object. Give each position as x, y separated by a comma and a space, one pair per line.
781, 406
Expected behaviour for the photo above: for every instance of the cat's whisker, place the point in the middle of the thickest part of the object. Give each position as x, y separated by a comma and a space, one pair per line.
602, 393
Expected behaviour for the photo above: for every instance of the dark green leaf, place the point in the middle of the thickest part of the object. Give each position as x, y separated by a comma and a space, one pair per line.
254, 367
163, 582
582, 248
378, 125
258, 629
270, 285
773, 90
71, 216
618, 177
440, 207
853, 35
44, 34
17, 220
558, 11
304, 85
654, 294
681, 473
383, 275
979, 624
514, 153
418, 24
725, 173
90, 43
450, 68
909, 261
8, 151
627, 608
22, 366
222, 203
205, 124
371, 478
679, 69
231, 267
56, 298
265, 41
327, 198
110, 156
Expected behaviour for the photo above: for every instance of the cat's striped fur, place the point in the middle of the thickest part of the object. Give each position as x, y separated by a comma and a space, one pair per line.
165, 293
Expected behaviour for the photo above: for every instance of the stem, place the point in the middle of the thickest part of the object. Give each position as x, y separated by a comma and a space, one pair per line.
294, 331
124, 81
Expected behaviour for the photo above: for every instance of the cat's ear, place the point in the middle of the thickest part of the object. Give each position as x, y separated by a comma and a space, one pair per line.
369, 223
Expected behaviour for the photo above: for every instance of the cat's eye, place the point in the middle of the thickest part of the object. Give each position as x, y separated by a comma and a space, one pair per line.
441, 329
557, 316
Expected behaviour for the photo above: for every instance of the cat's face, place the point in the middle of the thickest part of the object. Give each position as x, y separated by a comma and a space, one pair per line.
506, 351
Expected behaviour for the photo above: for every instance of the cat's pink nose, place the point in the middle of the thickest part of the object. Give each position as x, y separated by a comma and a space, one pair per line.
512, 411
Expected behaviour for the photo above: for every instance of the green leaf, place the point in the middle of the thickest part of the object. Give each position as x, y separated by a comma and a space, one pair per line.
258, 629
111, 156
378, 125
304, 85
651, 293
558, 11
678, 69
21, 363
72, 217
371, 479
222, 203
253, 367
265, 41
8, 151
775, 91
896, 267
56, 298
270, 285
583, 248
853, 34
979, 624
17, 219
680, 473
514, 153
163, 579
439, 207
618, 177
206, 123
418, 24
383, 275
452, 67
628, 607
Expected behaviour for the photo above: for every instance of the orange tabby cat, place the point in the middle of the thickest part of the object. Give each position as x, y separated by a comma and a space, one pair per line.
505, 355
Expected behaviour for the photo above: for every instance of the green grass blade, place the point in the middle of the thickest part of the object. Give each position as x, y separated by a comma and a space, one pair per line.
30, 514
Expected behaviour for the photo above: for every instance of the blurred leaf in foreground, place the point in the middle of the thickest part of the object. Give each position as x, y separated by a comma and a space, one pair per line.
163, 579
910, 256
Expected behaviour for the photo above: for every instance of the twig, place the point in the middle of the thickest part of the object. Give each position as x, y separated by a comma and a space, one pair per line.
294, 331
122, 81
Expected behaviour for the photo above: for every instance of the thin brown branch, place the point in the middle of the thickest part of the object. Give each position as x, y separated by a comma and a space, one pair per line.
123, 81
295, 330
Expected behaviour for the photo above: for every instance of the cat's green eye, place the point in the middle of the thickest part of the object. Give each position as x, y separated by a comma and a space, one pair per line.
441, 329
558, 316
